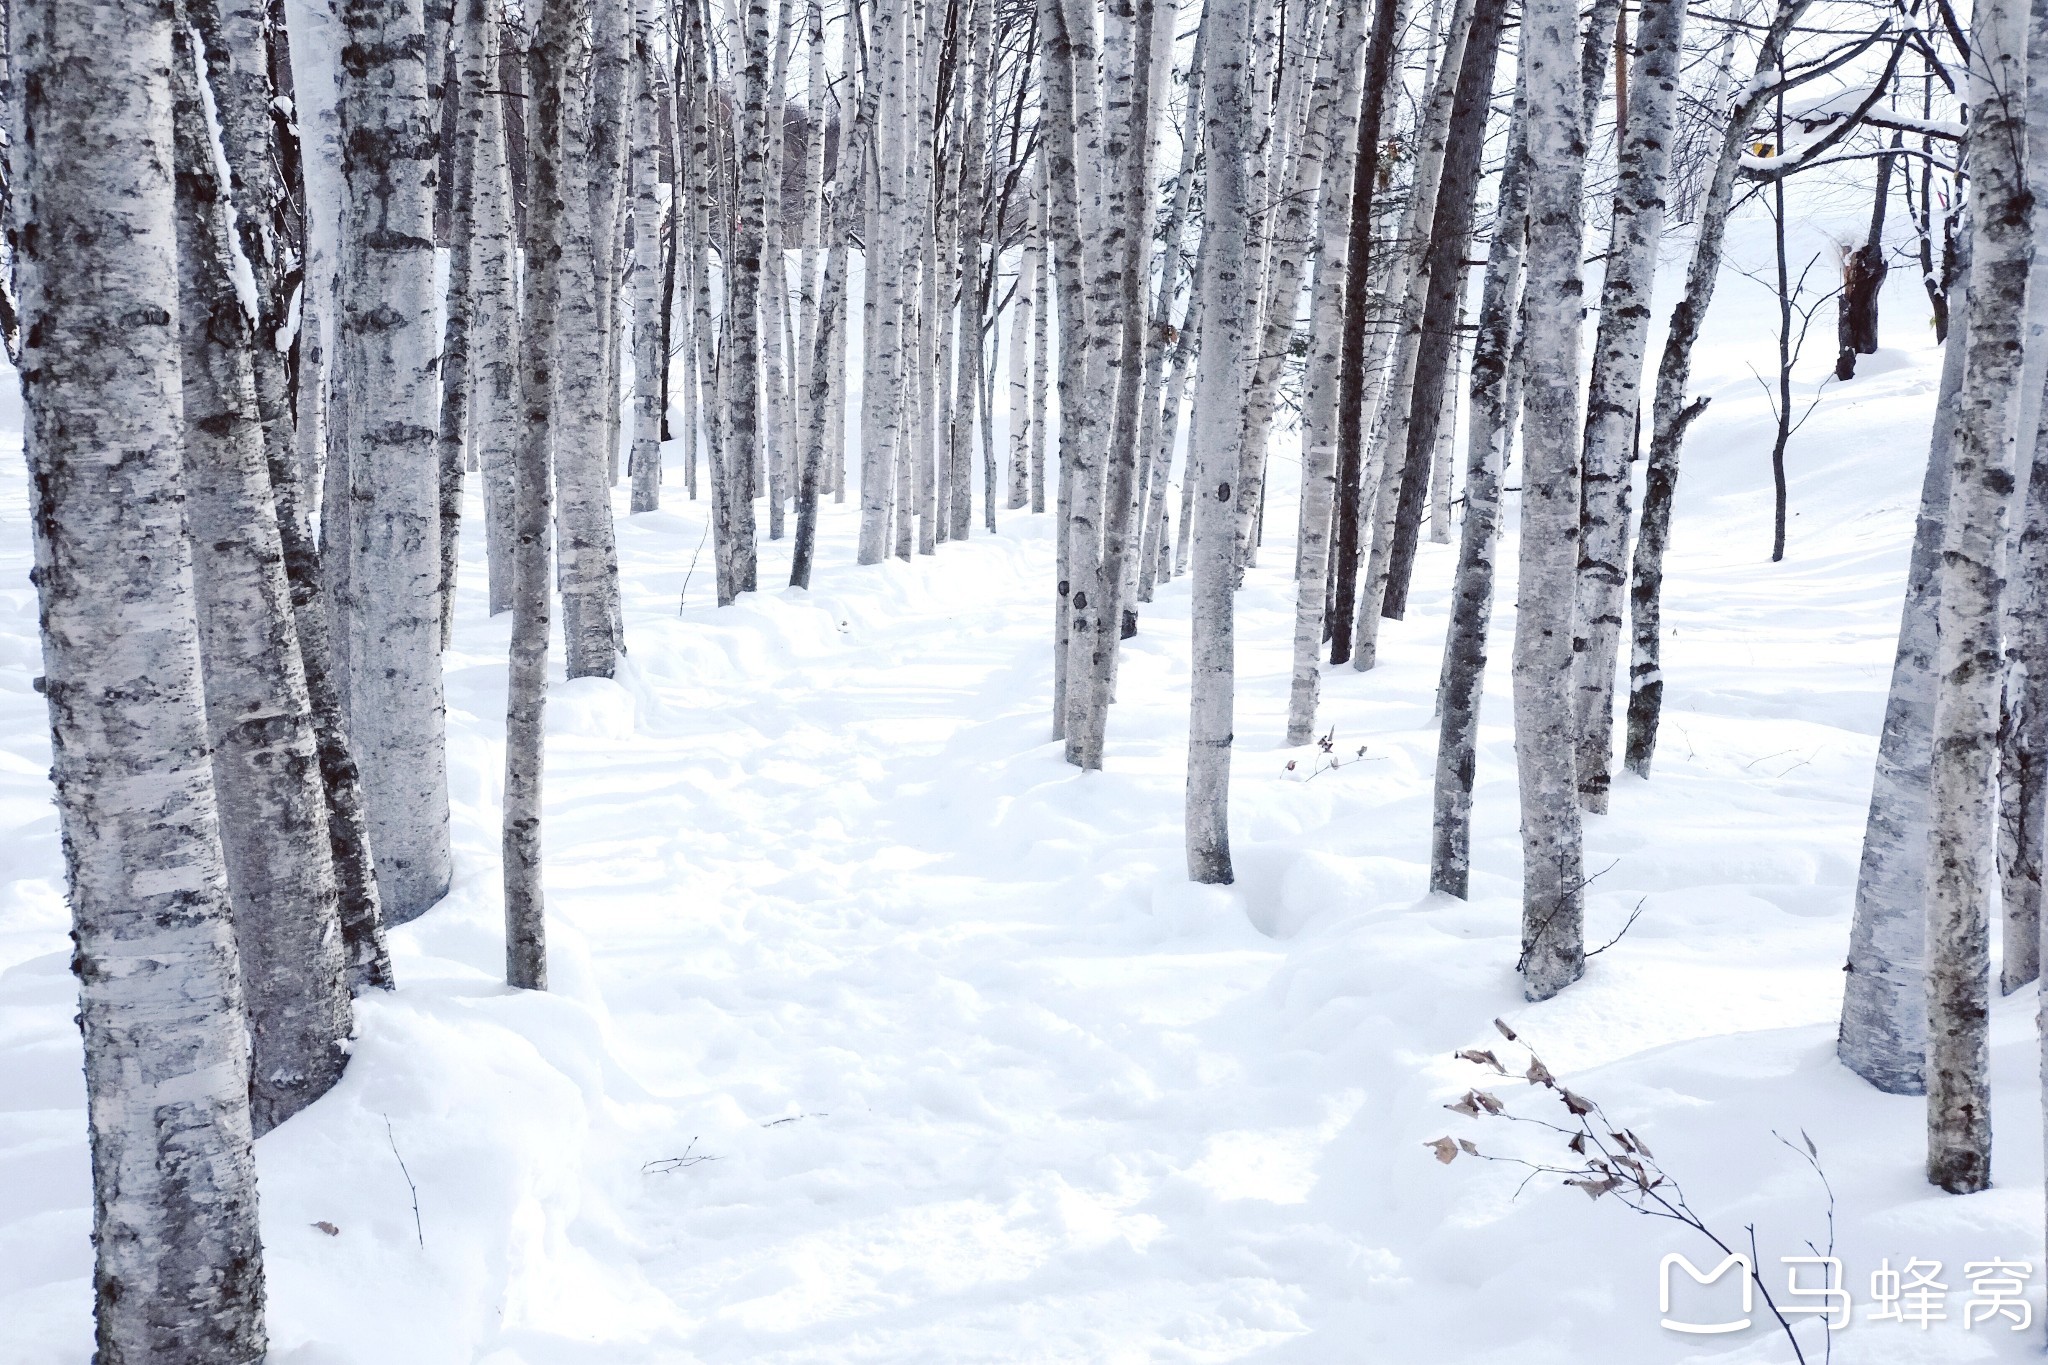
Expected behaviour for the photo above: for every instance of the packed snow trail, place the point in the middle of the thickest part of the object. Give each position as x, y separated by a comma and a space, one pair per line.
878, 1033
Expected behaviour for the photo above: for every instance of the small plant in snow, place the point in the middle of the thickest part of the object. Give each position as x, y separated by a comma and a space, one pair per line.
1331, 760
1602, 1157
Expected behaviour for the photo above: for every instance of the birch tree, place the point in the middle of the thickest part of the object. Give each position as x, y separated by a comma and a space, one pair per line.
1381, 477
1613, 393
178, 1272
592, 162
1388, 16
242, 45
1216, 438
1321, 384
266, 773
1553, 947
550, 185
650, 358
1970, 582
495, 424
388, 342
1436, 349
1462, 681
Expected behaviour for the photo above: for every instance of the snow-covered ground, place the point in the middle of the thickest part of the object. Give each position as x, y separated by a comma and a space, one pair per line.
877, 1033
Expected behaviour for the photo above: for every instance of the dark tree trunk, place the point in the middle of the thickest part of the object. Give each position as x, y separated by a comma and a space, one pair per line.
1379, 60
1450, 235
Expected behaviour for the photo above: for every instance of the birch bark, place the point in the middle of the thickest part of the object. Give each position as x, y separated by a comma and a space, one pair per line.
243, 46
1408, 281
1961, 778
1614, 392
1323, 381
551, 183
1462, 682
1553, 948
178, 1271
266, 774
583, 434
1221, 379
1444, 266
387, 343
1388, 17
497, 405
464, 100
649, 359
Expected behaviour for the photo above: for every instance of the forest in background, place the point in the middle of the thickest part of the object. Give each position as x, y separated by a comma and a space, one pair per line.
285, 283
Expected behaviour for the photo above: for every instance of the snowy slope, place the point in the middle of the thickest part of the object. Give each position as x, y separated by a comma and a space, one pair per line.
975, 1075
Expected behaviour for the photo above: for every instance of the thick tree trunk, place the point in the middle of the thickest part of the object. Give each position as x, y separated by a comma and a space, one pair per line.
1229, 276
1553, 891
1883, 1033
1961, 788
1614, 393
1087, 251
266, 774
387, 344
882, 251
1462, 681
583, 415
178, 1273
243, 46
1119, 503
2023, 755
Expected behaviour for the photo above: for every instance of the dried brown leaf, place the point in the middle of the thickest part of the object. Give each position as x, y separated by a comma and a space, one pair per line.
1480, 1057
1446, 1150
328, 1228
1505, 1031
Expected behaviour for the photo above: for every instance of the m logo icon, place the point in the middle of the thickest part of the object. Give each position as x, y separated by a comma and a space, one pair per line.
1703, 1328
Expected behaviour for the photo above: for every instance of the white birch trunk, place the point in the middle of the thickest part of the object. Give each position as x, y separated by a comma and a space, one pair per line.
1221, 380
266, 773
1553, 947
1961, 779
1021, 429
1325, 372
387, 344
178, 1272
1614, 392
648, 360
497, 407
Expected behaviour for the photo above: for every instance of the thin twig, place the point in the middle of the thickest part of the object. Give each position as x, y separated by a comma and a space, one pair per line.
418, 1231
